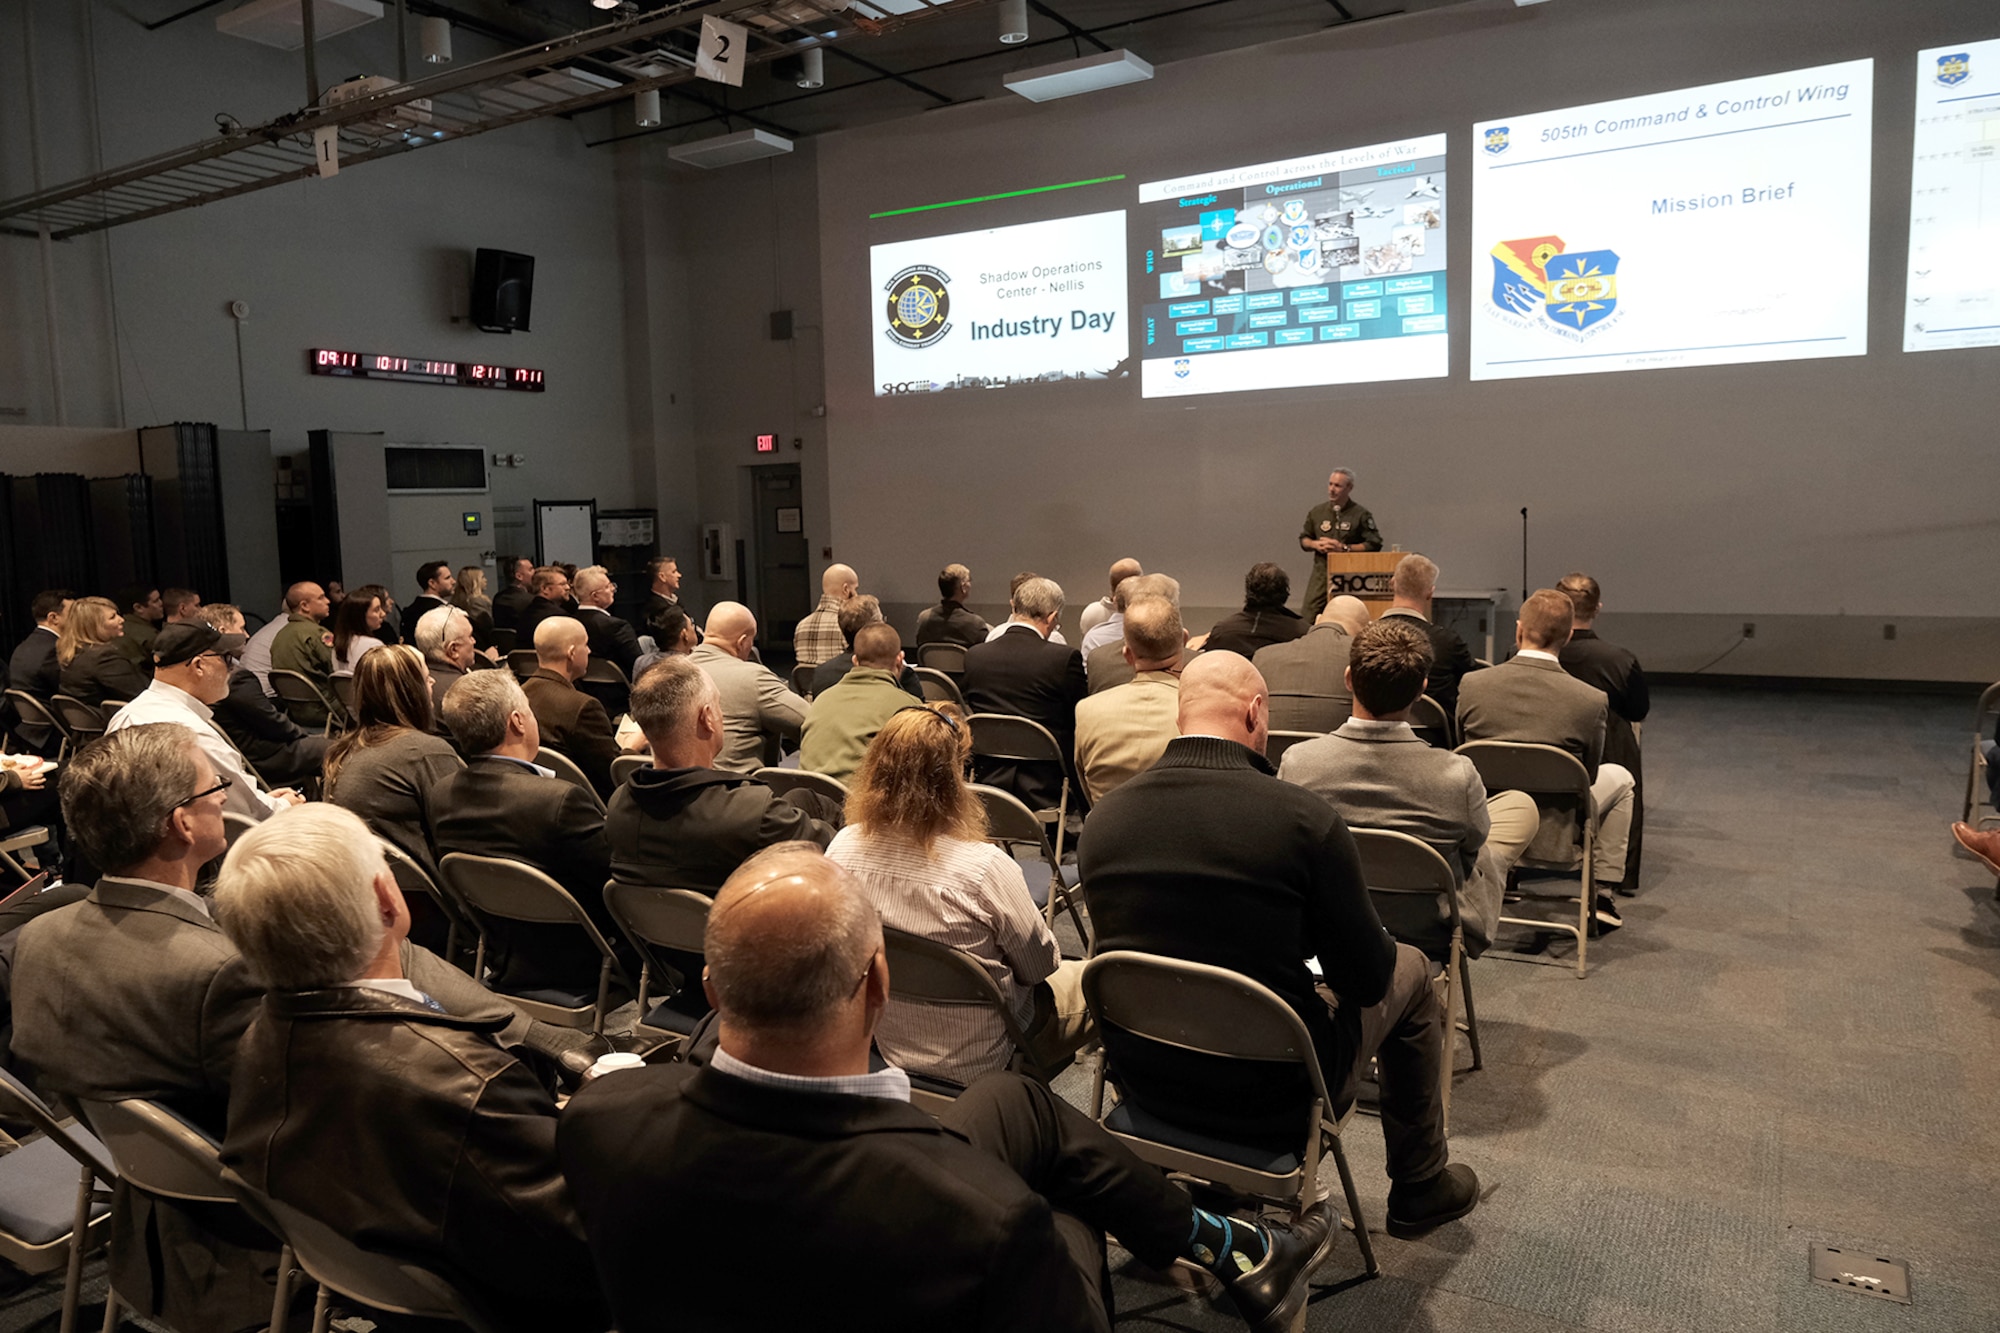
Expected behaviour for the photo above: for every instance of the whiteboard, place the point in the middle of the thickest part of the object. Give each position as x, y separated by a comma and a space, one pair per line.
564, 530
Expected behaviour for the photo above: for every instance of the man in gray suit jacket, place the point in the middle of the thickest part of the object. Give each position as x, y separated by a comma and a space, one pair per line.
1379, 774
756, 705
1531, 698
135, 992
1308, 675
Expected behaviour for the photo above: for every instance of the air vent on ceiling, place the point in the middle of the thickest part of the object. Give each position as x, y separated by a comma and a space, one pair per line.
544, 89
726, 150
280, 23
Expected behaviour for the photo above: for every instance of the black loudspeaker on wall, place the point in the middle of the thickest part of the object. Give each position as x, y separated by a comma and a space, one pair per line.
503, 288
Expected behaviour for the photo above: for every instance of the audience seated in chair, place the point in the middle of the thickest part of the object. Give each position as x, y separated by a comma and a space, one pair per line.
1024, 673
93, 665
388, 768
446, 639
357, 628
257, 653
551, 598
1105, 608
34, 668
663, 588
949, 621
1379, 774
758, 708
856, 612
279, 749
1413, 587
1530, 698
435, 586
1264, 619
915, 843
571, 721
1105, 665
674, 635
142, 612
304, 645
1617, 672
134, 992
818, 637
1122, 731
190, 677
502, 804
357, 1100
611, 639
991, 1216
470, 597
1209, 858
512, 600
1055, 634
1307, 675
845, 717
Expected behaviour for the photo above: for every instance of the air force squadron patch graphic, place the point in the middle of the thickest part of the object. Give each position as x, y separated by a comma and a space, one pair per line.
1539, 283
1496, 140
1954, 69
919, 306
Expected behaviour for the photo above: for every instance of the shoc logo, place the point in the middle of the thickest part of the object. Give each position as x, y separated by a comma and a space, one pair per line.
909, 386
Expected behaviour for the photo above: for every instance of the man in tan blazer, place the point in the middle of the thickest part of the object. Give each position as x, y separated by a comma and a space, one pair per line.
1122, 731
1531, 698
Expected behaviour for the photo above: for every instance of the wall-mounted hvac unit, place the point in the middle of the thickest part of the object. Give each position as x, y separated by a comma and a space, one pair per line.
435, 469
281, 23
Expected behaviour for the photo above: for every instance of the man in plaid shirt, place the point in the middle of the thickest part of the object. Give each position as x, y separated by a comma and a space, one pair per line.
818, 636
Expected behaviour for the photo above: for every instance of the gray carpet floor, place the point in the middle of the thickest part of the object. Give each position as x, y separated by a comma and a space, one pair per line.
1790, 1041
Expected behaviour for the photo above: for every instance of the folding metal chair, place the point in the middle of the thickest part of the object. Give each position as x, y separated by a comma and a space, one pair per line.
1281, 741
235, 826
566, 769
1407, 878
782, 780
503, 641
1429, 720
493, 886
523, 663
625, 765
1315, 713
1213, 1011
938, 688
946, 657
1975, 780
802, 679
413, 879
1546, 771
32, 710
655, 918
1010, 823
340, 1267
19, 840
1022, 740
161, 1154
926, 972
343, 693
296, 692
51, 1215
83, 722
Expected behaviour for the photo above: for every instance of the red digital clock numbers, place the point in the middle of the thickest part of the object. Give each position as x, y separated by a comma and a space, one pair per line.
409, 370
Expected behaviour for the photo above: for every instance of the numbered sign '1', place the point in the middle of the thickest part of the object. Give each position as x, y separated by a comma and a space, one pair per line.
720, 56
326, 149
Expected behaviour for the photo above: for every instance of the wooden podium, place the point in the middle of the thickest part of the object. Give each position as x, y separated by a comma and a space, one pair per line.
1363, 574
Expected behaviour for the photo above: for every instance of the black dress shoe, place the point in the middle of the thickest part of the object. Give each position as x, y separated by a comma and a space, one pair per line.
576, 1060
1448, 1195
1269, 1295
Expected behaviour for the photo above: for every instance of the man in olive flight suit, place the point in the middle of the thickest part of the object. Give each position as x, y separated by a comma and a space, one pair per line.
1337, 525
306, 646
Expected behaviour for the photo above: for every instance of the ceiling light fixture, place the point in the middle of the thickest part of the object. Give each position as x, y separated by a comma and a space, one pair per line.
434, 36
646, 108
1013, 21
604, 4
1109, 70
812, 68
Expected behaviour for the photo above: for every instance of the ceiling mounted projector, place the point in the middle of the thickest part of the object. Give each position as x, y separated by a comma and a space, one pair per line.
1108, 70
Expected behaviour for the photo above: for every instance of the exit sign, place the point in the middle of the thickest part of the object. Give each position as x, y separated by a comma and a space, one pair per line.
767, 444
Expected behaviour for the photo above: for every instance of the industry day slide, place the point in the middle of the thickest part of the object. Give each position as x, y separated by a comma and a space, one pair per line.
1709, 226
1328, 269
1037, 302
1953, 297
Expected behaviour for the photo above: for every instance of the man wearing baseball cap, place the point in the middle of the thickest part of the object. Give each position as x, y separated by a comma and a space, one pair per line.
190, 675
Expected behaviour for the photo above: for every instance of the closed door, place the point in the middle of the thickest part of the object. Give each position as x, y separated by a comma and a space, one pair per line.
782, 588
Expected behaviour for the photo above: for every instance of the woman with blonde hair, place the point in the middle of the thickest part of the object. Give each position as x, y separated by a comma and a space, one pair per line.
386, 768
93, 669
915, 838
470, 597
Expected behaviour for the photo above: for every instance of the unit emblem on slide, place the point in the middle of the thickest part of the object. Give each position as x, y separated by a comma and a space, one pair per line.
1583, 288
1181, 367
1573, 291
1496, 140
1954, 69
919, 306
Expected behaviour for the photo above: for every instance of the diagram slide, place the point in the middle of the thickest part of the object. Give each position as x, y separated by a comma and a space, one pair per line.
1028, 304
1709, 226
1327, 269
1954, 281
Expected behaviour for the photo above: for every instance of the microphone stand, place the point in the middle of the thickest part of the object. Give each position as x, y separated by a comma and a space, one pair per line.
1524, 553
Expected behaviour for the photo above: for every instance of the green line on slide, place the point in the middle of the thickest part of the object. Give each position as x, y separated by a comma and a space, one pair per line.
988, 198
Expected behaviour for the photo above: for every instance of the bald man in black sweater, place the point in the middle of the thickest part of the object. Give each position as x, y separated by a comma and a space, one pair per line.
1208, 857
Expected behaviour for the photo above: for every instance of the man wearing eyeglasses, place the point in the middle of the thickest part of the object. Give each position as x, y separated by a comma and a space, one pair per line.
190, 676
